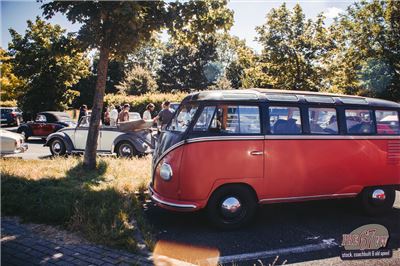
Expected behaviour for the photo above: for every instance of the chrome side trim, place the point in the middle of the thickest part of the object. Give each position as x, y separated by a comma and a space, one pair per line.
328, 137
170, 204
216, 138
309, 197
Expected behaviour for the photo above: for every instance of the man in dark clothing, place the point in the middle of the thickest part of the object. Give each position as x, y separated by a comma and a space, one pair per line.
165, 115
82, 112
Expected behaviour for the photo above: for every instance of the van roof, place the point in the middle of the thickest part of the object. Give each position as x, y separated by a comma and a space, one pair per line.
271, 95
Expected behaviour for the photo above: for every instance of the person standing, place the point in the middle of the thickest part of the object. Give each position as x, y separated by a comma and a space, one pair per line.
124, 115
82, 112
114, 116
106, 118
165, 115
149, 109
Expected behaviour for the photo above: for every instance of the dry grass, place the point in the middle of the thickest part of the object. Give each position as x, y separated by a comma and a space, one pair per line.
97, 203
125, 175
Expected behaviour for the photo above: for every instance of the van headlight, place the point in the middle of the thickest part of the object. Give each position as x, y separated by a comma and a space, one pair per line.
166, 171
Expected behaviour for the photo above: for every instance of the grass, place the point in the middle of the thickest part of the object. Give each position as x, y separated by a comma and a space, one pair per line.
98, 204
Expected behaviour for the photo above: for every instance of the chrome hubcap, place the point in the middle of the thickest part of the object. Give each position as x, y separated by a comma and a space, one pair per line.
56, 147
126, 150
231, 207
378, 195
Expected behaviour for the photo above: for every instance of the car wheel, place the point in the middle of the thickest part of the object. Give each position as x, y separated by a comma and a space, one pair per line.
231, 206
126, 149
57, 147
377, 200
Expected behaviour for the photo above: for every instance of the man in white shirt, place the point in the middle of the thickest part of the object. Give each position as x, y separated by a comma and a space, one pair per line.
113, 116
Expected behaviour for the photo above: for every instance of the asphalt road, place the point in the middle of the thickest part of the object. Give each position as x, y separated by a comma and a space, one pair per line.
301, 232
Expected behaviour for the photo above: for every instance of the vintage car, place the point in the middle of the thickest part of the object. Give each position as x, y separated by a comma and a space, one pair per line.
123, 140
11, 116
45, 124
11, 143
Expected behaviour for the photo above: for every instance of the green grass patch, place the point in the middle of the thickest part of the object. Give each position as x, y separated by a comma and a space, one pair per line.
97, 203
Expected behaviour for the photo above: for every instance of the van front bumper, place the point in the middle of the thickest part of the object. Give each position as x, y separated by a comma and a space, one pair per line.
172, 204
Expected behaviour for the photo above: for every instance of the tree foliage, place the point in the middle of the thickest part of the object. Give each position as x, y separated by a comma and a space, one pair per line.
366, 58
137, 81
292, 48
120, 27
50, 63
9, 82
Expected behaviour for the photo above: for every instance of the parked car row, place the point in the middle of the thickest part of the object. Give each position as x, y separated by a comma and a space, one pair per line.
64, 136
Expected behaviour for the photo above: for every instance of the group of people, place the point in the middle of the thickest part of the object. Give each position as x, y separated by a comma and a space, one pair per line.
116, 114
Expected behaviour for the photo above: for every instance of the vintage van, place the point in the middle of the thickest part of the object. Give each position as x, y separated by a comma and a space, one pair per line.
227, 151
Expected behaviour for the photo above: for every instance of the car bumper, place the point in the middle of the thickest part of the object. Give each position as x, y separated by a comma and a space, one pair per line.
172, 204
19, 149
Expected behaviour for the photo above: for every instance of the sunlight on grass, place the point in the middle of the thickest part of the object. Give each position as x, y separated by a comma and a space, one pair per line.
99, 203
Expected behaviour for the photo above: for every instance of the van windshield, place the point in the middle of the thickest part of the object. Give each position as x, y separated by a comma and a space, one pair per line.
183, 118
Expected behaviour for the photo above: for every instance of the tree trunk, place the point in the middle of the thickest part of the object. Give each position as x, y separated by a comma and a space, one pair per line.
89, 160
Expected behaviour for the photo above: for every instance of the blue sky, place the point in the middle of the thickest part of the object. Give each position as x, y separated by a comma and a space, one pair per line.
248, 15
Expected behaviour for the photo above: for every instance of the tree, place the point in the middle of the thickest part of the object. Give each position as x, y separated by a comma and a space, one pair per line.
292, 48
367, 50
50, 63
186, 66
120, 27
137, 81
9, 83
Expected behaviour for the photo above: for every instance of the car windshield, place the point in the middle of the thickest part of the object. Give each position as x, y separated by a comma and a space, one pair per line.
64, 118
183, 117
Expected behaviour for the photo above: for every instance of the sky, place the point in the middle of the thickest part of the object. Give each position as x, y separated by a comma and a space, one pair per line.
247, 15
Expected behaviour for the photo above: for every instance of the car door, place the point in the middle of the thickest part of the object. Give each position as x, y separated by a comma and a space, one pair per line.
81, 133
107, 137
50, 125
37, 126
226, 145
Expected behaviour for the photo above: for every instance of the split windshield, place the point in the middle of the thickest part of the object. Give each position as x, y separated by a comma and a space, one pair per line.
183, 118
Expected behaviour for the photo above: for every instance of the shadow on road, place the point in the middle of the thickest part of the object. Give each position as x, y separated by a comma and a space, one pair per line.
276, 226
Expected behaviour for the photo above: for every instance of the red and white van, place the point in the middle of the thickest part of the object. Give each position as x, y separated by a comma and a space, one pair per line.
227, 151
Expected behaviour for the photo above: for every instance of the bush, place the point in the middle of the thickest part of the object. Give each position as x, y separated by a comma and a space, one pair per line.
138, 103
11, 103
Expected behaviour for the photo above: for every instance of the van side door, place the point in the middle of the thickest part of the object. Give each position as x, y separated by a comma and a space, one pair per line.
226, 145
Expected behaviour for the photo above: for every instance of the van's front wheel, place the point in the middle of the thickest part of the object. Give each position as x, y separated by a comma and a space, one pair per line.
376, 200
231, 206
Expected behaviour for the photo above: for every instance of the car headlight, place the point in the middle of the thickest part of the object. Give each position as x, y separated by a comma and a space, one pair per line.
166, 172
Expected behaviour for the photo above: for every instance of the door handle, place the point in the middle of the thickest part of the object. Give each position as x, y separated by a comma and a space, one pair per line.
256, 153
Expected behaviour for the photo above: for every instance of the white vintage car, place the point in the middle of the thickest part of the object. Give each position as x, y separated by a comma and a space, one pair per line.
120, 140
11, 143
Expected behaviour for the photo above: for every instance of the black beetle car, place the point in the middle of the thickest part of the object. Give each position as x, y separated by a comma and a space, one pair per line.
45, 124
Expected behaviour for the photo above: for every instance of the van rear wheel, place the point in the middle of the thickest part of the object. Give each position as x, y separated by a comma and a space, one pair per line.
231, 206
377, 200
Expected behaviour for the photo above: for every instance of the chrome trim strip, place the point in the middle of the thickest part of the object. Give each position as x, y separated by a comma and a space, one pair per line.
170, 204
309, 197
216, 138
328, 137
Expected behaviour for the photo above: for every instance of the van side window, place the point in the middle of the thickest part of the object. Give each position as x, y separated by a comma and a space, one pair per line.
284, 120
323, 120
230, 119
387, 122
359, 121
